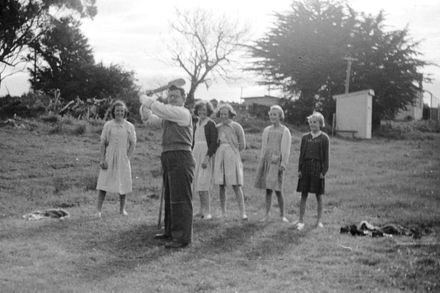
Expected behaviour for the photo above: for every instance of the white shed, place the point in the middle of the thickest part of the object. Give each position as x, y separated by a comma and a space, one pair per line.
354, 113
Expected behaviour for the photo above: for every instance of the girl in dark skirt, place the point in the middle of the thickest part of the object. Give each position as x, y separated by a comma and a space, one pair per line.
313, 166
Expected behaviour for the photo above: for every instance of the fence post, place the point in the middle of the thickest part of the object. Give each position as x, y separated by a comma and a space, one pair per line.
333, 124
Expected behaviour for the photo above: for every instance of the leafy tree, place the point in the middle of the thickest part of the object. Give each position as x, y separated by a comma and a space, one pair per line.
15, 31
204, 46
68, 65
390, 66
304, 54
23, 22
112, 81
67, 59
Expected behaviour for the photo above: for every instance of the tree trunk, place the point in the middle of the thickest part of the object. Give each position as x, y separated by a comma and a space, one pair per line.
189, 103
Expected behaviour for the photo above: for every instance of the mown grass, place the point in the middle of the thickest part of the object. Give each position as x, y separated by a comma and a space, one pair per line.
380, 180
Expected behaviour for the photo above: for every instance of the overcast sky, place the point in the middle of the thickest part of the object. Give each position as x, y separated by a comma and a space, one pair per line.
132, 34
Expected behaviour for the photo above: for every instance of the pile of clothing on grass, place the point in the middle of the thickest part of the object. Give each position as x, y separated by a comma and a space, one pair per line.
388, 230
50, 213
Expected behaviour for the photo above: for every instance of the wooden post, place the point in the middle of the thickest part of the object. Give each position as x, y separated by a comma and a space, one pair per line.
347, 75
333, 124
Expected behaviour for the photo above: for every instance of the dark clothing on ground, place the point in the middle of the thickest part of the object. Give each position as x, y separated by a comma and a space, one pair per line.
367, 229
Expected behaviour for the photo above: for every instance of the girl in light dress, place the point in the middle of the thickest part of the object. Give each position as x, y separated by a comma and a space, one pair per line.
274, 156
204, 147
228, 168
118, 141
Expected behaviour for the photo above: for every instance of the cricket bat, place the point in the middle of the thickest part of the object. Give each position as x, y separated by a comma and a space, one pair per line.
177, 82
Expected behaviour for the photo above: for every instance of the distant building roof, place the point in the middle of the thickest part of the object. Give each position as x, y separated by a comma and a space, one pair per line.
368, 92
261, 100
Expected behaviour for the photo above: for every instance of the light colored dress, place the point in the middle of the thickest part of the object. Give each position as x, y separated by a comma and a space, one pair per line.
275, 152
202, 177
228, 168
117, 177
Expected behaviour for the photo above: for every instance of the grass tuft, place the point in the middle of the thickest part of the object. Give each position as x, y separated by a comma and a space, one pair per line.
89, 182
60, 184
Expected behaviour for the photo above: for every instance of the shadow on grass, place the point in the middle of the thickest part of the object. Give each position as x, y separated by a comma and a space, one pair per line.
24, 230
253, 240
136, 247
123, 251
276, 244
94, 249
225, 237
100, 249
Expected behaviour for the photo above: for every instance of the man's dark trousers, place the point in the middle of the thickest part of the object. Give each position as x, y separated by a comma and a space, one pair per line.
178, 173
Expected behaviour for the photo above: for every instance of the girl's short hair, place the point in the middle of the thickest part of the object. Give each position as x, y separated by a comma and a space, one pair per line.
279, 110
113, 107
231, 111
200, 104
318, 116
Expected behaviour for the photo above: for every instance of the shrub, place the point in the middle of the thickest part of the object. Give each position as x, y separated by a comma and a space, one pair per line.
79, 129
57, 129
70, 125
50, 118
95, 125
388, 131
68, 120
251, 124
96, 122
428, 126
407, 129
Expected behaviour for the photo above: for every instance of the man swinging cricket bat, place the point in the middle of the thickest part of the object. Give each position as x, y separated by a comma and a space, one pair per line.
177, 163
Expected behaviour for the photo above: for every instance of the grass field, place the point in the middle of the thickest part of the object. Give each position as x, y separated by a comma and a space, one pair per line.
379, 180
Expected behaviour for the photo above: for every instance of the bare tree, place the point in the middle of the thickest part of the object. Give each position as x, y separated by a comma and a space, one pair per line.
205, 46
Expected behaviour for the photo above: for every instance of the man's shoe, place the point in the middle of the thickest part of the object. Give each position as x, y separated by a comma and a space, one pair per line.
162, 237
175, 244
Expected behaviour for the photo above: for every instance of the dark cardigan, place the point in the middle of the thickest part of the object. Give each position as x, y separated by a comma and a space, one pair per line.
211, 136
323, 154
